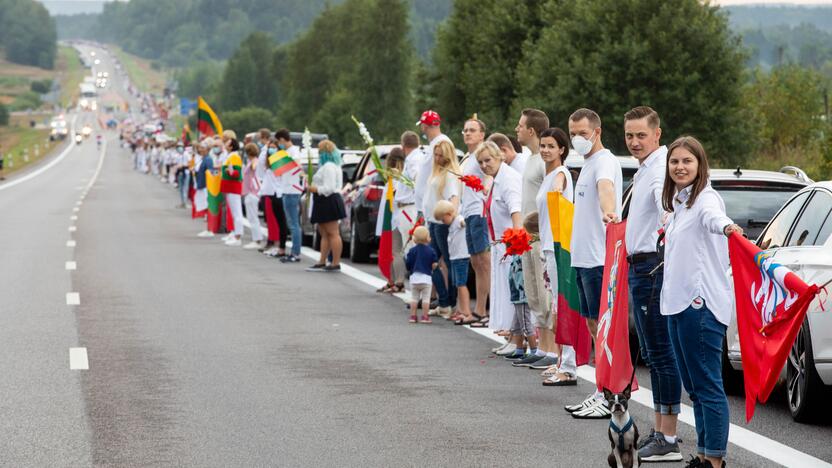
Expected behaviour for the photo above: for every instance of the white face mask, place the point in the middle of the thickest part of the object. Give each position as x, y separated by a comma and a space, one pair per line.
582, 145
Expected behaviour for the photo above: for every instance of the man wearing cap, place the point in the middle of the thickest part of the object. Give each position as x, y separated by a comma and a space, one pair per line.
429, 125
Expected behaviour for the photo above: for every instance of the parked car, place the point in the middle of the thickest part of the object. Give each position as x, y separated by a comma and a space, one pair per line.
297, 138
799, 238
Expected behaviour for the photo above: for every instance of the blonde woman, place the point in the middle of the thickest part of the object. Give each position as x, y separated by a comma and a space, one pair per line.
443, 184
502, 208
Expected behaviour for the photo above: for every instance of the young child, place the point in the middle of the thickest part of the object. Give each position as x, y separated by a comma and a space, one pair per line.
522, 326
421, 261
446, 213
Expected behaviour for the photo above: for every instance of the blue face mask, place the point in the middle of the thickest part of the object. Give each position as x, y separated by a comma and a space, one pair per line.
272, 151
180, 149
215, 150
281, 146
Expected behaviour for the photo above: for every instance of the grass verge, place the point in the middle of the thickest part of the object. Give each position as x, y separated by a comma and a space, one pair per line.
141, 72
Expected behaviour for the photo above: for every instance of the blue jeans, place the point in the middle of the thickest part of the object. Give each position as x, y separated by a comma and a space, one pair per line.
653, 336
459, 267
439, 241
291, 206
184, 181
696, 336
590, 281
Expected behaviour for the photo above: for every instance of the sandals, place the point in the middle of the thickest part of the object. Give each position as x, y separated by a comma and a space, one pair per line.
557, 381
386, 288
481, 323
474, 318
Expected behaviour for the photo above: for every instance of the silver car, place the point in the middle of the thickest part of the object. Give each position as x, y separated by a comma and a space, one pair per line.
799, 237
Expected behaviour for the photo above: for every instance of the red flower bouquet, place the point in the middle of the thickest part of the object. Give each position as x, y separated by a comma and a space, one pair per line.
517, 241
473, 182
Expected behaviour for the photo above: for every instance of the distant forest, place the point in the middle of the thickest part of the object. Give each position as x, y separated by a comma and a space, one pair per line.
780, 35
178, 32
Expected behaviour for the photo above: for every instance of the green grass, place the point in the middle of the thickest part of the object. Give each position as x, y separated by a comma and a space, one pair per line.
141, 72
70, 74
19, 137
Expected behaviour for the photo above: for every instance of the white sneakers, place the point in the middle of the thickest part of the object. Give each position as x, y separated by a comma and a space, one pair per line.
252, 245
205, 234
233, 242
507, 349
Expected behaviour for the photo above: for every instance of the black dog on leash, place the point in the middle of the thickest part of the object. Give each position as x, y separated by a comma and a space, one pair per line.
622, 431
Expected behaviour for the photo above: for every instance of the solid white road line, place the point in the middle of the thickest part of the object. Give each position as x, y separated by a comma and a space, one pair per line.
71, 266
70, 243
78, 359
73, 298
739, 436
45, 168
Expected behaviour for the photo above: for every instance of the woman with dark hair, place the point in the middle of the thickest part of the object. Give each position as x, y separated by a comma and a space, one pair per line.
232, 187
561, 367
394, 163
328, 205
697, 294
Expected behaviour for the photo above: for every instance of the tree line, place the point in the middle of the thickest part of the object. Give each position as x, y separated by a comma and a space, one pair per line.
495, 57
27, 33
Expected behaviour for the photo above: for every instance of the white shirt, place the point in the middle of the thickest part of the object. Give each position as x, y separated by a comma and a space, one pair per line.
432, 195
472, 202
290, 183
547, 238
534, 171
425, 169
505, 199
519, 162
646, 210
406, 195
696, 256
329, 179
268, 181
588, 231
457, 246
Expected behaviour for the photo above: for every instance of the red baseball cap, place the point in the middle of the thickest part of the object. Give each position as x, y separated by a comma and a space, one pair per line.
430, 118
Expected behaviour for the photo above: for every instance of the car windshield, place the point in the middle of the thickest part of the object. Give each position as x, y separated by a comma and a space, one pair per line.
753, 207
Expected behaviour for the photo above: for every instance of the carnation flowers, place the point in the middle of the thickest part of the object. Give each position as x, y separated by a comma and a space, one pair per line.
472, 182
517, 241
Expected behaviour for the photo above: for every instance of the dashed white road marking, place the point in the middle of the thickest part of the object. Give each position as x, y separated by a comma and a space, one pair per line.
79, 202
73, 218
755, 443
73, 229
78, 359
76, 209
70, 243
73, 298
71, 265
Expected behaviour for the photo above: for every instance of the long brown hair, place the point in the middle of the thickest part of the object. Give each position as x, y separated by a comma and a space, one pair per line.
702, 174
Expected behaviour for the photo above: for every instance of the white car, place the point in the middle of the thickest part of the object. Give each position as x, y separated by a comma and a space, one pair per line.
799, 237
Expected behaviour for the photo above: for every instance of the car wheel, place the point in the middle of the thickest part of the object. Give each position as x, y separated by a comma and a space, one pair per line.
732, 379
803, 385
359, 252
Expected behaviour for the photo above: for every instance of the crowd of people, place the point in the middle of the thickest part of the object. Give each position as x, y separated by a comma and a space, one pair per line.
442, 226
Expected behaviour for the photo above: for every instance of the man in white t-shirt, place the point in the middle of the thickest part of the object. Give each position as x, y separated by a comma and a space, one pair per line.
471, 209
405, 197
515, 158
531, 124
597, 201
429, 123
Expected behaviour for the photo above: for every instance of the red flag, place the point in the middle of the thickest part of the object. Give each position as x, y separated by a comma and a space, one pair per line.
771, 304
613, 367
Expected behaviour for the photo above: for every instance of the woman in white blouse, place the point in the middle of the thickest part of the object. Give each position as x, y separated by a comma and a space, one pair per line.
328, 205
502, 210
554, 147
696, 293
443, 184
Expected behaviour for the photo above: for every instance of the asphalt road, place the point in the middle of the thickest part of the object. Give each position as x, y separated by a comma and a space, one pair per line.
205, 355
